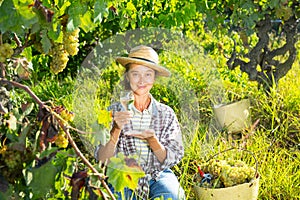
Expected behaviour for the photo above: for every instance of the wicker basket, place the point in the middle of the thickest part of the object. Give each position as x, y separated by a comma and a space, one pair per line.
245, 191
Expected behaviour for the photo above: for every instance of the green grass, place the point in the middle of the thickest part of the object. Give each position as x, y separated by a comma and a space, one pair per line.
275, 141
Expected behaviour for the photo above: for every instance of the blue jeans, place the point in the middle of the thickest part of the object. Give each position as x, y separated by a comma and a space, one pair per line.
166, 187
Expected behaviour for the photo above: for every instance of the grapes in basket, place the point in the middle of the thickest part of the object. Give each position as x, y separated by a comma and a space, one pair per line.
222, 173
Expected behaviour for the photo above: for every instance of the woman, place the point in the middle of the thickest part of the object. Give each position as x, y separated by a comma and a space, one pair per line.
157, 137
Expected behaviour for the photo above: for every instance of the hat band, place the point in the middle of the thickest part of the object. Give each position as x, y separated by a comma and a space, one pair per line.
144, 59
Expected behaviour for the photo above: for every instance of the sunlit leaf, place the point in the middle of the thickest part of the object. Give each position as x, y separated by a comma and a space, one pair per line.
104, 117
24, 9
86, 22
122, 174
63, 7
43, 179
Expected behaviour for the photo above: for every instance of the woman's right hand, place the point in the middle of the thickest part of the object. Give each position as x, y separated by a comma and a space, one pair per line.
122, 118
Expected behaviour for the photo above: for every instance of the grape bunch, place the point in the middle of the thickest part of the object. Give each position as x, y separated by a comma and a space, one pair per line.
59, 58
71, 42
12, 160
228, 173
62, 139
232, 175
60, 52
64, 113
6, 51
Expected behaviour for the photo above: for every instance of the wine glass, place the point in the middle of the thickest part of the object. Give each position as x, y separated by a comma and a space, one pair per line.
126, 98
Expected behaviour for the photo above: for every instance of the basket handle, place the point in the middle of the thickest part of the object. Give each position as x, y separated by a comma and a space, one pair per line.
246, 150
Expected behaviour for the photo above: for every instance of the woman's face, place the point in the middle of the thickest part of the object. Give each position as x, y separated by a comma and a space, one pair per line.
141, 78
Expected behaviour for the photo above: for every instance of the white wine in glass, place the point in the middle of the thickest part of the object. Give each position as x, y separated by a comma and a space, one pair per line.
126, 98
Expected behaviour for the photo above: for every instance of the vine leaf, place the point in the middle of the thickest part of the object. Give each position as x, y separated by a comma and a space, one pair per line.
75, 11
40, 183
46, 43
14, 12
86, 22
124, 172
100, 11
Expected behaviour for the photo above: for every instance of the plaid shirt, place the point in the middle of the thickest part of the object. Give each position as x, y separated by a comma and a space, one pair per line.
167, 130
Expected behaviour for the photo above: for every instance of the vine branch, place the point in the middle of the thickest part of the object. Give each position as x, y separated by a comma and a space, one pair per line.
24, 87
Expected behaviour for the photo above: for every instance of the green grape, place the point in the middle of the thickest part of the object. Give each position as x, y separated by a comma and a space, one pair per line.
236, 163
64, 113
71, 42
39, 47
62, 139
6, 51
67, 115
59, 58
2, 54
215, 167
2, 59
228, 173
12, 160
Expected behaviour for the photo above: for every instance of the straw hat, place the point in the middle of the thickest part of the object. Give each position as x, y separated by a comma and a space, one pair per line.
145, 56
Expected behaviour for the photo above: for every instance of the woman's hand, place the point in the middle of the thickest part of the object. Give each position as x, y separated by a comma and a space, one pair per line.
122, 118
158, 149
146, 134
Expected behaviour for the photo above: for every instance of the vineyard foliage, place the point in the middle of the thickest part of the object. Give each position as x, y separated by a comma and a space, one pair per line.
43, 44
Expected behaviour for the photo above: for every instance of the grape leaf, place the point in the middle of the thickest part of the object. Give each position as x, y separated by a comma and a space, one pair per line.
86, 22
100, 10
19, 16
46, 43
56, 33
75, 11
43, 179
63, 8
24, 9
123, 175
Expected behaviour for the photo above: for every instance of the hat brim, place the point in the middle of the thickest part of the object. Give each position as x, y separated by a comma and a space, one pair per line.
161, 71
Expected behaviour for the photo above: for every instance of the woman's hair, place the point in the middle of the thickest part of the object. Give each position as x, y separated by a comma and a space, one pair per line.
125, 82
